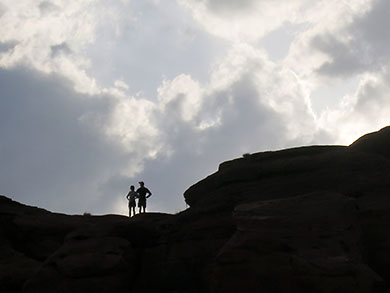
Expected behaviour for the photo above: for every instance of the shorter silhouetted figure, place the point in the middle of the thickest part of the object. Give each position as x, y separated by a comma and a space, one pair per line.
131, 196
143, 194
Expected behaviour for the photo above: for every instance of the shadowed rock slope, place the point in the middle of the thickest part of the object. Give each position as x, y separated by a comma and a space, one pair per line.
309, 219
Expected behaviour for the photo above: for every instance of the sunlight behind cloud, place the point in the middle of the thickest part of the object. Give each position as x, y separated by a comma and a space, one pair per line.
165, 91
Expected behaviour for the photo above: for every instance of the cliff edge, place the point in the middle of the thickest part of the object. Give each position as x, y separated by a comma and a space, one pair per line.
308, 219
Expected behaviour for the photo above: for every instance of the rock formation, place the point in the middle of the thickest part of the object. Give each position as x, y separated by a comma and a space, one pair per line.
309, 219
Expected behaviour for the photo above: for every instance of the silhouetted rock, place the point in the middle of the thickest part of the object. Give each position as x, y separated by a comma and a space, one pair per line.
308, 219
308, 243
375, 143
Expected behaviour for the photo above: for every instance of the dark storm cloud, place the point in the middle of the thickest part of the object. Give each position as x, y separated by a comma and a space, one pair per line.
49, 157
2, 9
243, 120
365, 48
345, 59
246, 125
229, 6
47, 7
372, 29
70, 152
372, 99
246, 120
59, 49
4, 47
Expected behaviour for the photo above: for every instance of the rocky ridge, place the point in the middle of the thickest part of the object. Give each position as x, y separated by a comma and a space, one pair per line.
308, 219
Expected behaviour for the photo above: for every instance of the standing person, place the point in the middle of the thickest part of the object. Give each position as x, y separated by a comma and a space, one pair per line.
131, 196
143, 194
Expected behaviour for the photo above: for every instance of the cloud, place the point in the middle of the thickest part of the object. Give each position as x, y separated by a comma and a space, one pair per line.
248, 110
363, 46
55, 152
366, 110
246, 20
73, 143
246, 81
230, 6
89, 148
59, 49
52, 36
351, 46
346, 41
249, 104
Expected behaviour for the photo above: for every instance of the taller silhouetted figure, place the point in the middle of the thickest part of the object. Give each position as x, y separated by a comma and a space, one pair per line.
143, 194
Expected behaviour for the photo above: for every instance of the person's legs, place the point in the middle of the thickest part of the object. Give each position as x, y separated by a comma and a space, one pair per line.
142, 205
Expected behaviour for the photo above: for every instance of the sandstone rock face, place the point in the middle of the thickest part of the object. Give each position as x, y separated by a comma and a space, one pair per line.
308, 243
309, 219
289, 173
375, 143
46, 252
107, 262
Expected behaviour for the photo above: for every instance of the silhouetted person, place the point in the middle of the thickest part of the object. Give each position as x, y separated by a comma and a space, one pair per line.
143, 194
131, 196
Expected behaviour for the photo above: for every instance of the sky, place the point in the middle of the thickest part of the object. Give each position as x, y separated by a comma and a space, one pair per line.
97, 95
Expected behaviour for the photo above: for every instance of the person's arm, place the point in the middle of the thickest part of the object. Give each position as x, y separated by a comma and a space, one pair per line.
128, 196
149, 193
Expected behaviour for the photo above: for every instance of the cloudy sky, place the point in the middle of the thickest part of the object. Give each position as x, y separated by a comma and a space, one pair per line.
96, 95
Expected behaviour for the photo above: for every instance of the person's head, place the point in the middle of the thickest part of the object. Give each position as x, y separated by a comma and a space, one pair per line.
132, 187
141, 183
